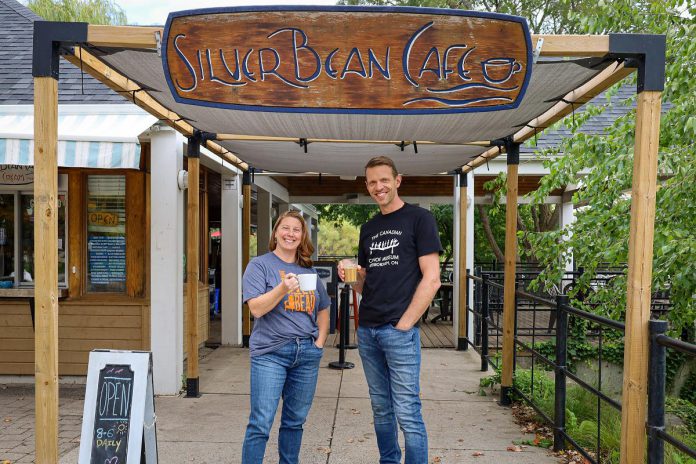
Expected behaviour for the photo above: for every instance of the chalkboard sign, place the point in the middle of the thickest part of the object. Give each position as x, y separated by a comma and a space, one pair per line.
112, 414
118, 422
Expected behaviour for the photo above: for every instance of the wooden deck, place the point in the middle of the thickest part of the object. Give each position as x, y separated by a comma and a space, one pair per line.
438, 335
433, 335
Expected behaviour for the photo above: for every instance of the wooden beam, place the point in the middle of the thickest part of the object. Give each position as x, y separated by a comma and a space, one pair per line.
640, 260
602, 81
76, 221
257, 138
135, 233
46, 268
140, 97
572, 45
509, 283
192, 268
123, 36
463, 326
246, 234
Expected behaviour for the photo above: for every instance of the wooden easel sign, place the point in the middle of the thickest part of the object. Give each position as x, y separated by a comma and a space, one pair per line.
118, 422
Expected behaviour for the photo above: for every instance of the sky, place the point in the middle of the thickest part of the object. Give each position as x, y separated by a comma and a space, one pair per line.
154, 12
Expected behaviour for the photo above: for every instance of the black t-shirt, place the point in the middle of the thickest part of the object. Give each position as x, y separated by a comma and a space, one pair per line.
390, 245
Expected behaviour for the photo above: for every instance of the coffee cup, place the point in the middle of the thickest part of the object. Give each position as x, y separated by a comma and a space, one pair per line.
308, 282
350, 272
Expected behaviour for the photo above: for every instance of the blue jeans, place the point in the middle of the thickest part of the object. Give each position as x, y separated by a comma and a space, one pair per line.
290, 372
391, 359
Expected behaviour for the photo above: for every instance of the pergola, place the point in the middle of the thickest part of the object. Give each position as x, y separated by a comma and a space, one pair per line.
256, 117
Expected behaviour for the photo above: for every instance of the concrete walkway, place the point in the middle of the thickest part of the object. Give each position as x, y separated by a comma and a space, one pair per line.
339, 429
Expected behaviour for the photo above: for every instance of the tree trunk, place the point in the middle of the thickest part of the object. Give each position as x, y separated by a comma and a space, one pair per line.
486, 223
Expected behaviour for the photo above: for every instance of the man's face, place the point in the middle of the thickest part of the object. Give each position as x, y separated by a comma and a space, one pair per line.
382, 185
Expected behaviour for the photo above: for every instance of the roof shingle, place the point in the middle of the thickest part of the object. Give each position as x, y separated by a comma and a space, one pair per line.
16, 82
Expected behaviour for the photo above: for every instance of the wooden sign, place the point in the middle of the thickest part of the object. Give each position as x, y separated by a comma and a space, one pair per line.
347, 59
118, 422
12, 174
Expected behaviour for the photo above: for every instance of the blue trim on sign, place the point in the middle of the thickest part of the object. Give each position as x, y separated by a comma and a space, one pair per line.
3, 151
358, 9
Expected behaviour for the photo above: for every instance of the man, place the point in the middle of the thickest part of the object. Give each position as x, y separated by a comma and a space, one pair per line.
398, 277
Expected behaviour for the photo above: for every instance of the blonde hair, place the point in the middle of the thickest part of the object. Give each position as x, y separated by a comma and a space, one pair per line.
303, 255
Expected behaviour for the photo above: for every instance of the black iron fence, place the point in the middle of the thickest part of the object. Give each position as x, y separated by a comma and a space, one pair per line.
543, 327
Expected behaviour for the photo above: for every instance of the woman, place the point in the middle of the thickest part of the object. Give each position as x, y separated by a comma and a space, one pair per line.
290, 328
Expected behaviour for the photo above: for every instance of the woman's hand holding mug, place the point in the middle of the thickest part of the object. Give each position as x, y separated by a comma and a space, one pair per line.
291, 282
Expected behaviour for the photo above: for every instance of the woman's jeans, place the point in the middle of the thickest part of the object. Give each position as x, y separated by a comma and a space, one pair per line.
290, 372
391, 359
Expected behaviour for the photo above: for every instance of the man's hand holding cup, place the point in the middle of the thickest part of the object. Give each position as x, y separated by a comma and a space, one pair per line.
348, 270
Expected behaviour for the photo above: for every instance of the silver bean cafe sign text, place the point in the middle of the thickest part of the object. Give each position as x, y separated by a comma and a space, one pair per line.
347, 60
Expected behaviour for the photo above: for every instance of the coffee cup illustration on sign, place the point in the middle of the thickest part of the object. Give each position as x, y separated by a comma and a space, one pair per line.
499, 70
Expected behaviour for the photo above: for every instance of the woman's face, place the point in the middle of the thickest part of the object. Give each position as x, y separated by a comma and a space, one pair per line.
289, 234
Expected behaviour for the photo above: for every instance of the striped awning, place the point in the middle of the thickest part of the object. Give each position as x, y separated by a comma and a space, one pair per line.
89, 136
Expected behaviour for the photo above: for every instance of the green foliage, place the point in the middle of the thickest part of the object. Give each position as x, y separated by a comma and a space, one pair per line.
338, 239
90, 11
444, 216
356, 215
543, 16
685, 410
600, 234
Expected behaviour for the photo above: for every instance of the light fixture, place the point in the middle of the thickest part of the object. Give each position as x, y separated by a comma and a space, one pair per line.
182, 179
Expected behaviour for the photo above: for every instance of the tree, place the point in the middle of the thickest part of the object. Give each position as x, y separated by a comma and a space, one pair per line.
90, 11
338, 239
600, 233
543, 16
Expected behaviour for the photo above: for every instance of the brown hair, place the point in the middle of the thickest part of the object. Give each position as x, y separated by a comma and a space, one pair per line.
303, 255
382, 161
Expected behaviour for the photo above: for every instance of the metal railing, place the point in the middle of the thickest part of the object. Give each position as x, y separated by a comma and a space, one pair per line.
487, 310
657, 432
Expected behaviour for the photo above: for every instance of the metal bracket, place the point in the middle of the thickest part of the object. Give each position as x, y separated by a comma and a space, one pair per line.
303, 143
195, 141
649, 50
537, 50
49, 38
512, 150
158, 39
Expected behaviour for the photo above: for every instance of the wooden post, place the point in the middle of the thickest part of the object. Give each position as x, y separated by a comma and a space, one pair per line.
192, 267
513, 159
46, 268
462, 317
246, 233
640, 258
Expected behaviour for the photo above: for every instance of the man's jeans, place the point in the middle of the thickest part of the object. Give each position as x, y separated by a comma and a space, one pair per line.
391, 359
291, 372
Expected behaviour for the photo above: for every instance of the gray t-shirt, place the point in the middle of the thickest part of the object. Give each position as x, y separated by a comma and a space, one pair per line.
295, 315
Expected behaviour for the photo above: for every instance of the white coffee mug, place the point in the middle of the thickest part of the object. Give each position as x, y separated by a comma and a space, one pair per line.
308, 282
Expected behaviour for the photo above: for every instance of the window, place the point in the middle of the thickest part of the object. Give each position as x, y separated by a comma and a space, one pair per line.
106, 234
26, 236
7, 254
17, 238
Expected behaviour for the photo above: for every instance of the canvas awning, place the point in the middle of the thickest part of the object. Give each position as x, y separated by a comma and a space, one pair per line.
551, 81
89, 136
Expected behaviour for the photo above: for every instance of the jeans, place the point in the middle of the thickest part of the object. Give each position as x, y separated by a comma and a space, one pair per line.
290, 372
391, 359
